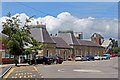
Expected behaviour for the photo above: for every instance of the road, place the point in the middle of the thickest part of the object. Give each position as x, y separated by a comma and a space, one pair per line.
23, 72
69, 69
81, 69
3, 70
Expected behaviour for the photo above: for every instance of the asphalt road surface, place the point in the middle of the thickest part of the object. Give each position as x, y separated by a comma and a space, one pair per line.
69, 69
81, 69
3, 70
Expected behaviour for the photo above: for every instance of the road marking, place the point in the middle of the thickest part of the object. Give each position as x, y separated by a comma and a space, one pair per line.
20, 76
31, 76
38, 72
9, 72
12, 76
78, 70
28, 76
42, 77
61, 70
35, 68
24, 76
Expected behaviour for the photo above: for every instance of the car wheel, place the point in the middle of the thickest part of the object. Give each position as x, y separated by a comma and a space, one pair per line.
49, 63
60, 63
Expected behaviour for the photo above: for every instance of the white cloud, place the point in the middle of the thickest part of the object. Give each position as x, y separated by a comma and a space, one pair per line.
66, 21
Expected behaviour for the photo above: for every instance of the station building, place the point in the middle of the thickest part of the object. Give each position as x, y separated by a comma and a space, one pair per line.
65, 44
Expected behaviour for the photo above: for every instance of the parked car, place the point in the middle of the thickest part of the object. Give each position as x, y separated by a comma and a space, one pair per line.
105, 56
40, 60
70, 58
78, 58
84, 58
97, 57
90, 57
112, 55
87, 58
57, 59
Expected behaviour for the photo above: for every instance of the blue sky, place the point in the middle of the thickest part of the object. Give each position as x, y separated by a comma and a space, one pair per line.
53, 14
78, 9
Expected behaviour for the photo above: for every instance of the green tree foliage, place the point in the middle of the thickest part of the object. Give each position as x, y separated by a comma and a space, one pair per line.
115, 48
115, 42
18, 36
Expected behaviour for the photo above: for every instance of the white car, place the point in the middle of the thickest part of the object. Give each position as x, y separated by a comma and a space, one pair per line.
97, 57
78, 58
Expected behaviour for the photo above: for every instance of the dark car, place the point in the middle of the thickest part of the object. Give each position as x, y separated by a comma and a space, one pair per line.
57, 59
88, 57
41, 60
84, 58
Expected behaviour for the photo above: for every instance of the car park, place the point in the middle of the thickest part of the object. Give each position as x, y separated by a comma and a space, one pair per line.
78, 58
105, 56
57, 59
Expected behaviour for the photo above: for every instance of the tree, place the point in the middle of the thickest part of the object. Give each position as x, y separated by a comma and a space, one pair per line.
18, 36
115, 42
116, 50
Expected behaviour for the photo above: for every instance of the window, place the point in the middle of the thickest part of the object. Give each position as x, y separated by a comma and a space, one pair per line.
7, 55
3, 54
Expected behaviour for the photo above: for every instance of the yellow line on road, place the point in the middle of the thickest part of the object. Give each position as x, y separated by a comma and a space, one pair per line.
7, 75
38, 72
35, 68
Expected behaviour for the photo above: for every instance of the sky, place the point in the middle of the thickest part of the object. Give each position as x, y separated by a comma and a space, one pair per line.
79, 9
60, 0
86, 17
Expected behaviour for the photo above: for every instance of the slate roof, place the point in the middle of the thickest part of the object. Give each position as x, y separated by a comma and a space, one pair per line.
60, 43
69, 38
40, 33
106, 43
87, 43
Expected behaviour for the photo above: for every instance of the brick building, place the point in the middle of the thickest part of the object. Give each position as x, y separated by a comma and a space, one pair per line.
97, 38
65, 43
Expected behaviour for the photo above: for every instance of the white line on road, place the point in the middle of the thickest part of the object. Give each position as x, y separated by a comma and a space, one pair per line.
61, 70
78, 70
